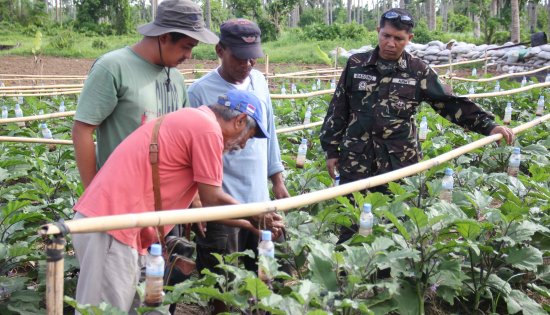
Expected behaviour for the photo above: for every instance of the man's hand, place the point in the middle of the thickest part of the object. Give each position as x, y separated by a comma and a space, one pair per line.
506, 132
332, 166
279, 188
269, 221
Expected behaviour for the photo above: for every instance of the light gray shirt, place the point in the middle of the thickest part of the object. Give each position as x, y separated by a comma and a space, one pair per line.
245, 172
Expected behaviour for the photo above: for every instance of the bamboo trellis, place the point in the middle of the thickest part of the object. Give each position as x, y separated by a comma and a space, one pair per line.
54, 272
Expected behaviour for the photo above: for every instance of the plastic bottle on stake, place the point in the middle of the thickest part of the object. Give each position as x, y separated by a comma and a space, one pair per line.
547, 79
333, 84
19, 114
513, 164
154, 273
540, 106
47, 134
507, 114
366, 220
336, 179
318, 84
497, 87
474, 72
4, 112
314, 86
447, 185
523, 81
283, 89
423, 130
293, 88
307, 116
266, 248
302, 151
472, 90
20, 100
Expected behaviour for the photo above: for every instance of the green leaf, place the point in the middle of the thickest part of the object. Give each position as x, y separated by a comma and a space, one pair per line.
322, 270
526, 258
407, 300
256, 287
418, 217
3, 174
469, 229
402, 230
518, 301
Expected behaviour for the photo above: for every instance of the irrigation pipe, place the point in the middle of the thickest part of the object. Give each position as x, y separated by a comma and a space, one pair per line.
302, 95
180, 216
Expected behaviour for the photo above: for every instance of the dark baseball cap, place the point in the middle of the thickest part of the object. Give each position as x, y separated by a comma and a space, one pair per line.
242, 36
248, 103
180, 16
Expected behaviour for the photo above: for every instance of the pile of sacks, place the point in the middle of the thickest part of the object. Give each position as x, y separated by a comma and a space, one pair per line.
437, 52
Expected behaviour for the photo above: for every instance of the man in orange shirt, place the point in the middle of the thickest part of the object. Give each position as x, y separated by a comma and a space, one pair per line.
191, 143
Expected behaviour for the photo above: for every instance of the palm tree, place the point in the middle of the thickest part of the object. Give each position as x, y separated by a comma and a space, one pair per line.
208, 14
515, 21
431, 15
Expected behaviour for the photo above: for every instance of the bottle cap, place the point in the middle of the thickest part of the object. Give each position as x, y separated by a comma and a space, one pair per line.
266, 235
304, 141
509, 104
367, 207
423, 118
448, 171
156, 250
541, 97
43, 126
517, 150
17, 105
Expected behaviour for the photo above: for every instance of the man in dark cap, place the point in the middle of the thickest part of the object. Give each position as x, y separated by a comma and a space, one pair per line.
130, 86
370, 127
245, 173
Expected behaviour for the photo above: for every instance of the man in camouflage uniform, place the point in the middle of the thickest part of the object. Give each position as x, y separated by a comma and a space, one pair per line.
370, 127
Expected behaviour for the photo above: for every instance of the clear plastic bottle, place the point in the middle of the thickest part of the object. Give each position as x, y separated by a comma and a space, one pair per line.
366, 220
20, 100
540, 106
19, 114
4, 112
265, 248
472, 90
154, 273
318, 84
314, 86
302, 151
293, 88
47, 134
423, 130
283, 89
507, 114
547, 79
62, 107
2, 84
513, 164
307, 115
336, 179
447, 185
40, 112
523, 81
497, 87
474, 72
333, 84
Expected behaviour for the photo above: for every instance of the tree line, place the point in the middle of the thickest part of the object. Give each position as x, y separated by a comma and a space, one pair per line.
490, 20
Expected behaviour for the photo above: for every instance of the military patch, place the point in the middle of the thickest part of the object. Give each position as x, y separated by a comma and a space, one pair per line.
363, 76
400, 105
402, 63
362, 86
404, 81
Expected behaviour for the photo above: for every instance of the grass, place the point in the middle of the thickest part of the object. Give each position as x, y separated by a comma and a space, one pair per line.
288, 49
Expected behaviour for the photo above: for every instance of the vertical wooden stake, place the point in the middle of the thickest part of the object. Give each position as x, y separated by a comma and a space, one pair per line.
485, 73
451, 68
267, 69
336, 58
55, 250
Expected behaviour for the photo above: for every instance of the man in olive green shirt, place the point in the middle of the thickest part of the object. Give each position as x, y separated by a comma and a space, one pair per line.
130, 86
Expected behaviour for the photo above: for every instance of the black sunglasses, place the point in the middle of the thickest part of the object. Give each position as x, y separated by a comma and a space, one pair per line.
392, 15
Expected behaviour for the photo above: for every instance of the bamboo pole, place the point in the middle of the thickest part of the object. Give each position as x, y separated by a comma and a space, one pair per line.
37, 117
38, 76
486, 59
508, 92
41, 94
336, 58
35, 140
158, 218
458, 63
502, 76
55, 249
299, 127
303, 95
32, 87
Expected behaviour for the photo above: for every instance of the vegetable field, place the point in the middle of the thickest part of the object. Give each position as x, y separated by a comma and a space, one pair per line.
486, 252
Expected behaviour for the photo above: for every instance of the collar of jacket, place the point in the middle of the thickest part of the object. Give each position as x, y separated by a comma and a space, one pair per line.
402, 62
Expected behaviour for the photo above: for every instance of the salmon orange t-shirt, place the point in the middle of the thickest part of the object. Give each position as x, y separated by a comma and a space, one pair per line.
190, 152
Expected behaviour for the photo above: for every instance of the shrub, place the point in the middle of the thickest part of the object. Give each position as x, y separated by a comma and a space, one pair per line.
335, 31
63, 40
99, 44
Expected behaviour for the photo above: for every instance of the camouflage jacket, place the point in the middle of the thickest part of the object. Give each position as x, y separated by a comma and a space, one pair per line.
370, 124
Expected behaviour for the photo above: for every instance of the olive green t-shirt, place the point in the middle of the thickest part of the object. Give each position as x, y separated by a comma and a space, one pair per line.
122, 92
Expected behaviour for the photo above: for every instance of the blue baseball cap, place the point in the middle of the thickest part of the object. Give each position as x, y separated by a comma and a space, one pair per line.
248, 103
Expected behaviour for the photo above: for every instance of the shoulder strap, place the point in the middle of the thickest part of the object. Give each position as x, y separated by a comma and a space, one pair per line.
154, 160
